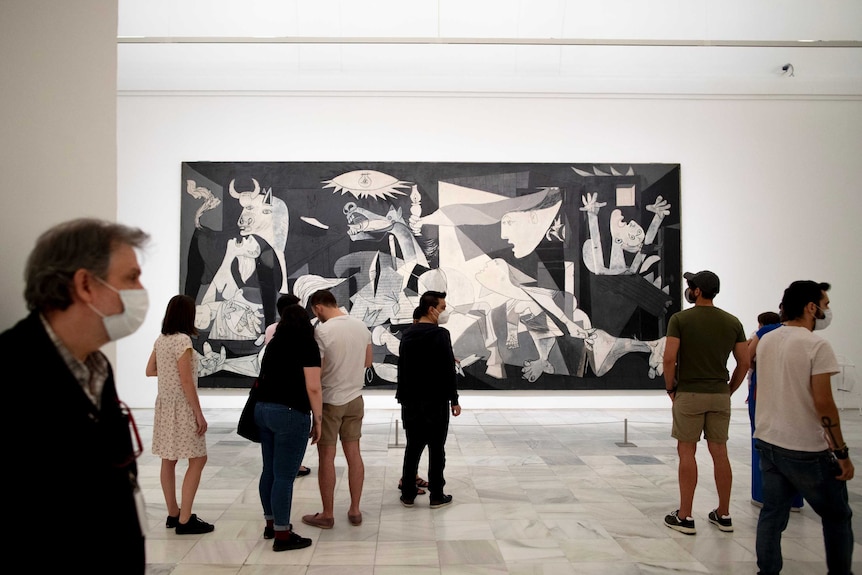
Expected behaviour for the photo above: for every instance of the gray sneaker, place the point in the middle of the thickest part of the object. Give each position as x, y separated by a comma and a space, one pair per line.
677, 523
723, 522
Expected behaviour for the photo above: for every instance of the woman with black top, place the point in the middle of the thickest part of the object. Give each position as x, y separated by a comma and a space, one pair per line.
289, 402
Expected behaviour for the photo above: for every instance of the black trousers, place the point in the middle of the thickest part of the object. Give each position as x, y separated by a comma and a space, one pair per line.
425, 425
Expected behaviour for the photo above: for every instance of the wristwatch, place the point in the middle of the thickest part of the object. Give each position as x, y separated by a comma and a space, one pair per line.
842, 453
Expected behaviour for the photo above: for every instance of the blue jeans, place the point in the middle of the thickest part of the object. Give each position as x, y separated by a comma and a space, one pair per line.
283, 439
786, 472
756, 480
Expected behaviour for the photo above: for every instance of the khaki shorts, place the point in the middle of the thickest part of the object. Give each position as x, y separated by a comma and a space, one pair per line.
342, 420
694, 413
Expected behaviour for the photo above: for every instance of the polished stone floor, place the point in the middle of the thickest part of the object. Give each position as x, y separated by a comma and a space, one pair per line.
538, 491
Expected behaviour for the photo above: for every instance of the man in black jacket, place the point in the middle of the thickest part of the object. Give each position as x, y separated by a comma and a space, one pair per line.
427, 391
76, 503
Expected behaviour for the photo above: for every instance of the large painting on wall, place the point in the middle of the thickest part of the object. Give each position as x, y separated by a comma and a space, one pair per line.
558, 276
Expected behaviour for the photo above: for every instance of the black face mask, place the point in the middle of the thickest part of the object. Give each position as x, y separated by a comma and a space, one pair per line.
689, 296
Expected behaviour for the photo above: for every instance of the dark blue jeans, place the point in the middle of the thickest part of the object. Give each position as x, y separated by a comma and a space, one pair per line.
786, 472
756, 481
283, 439
425, 424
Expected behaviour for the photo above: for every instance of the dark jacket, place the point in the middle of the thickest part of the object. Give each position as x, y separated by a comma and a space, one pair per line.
426, 366
69, 465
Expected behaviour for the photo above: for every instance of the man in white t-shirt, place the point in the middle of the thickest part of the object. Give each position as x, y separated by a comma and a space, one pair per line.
798, 433
345, 349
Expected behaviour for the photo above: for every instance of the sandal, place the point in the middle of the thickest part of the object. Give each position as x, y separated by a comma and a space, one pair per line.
421, 482
419, 490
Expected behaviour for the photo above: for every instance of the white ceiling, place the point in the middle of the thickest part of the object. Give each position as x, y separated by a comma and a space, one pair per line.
154, 53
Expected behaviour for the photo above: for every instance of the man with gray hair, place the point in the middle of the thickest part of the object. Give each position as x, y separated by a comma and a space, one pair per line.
75, 445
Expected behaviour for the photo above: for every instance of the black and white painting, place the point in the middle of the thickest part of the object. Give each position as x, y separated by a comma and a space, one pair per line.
558, 276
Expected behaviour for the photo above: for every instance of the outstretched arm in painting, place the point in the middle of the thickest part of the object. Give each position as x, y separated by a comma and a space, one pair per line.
593, 255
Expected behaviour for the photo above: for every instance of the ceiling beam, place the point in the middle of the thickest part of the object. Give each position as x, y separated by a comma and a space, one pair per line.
486, 41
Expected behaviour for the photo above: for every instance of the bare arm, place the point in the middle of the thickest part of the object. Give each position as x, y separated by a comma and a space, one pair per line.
752, 349
315, 398
824, 404
369, 356
671, 350
185, 366
740, 354
152, 370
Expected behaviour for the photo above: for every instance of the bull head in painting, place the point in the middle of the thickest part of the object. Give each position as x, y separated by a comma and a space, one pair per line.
265, 216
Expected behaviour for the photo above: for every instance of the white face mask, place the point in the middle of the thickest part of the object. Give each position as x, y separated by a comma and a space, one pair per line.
443, 317
135, 306
823, 323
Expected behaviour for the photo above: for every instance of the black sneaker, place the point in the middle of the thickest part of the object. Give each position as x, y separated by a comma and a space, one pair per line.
172, 521
195, 526
723, 522
293, 541
442, 502
406, 502
269, 532
678, 524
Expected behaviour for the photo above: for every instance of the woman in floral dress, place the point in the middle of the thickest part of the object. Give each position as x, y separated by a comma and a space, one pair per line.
179, 426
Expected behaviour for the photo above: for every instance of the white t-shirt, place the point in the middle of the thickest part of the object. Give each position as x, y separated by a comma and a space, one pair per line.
342, 341
785, 415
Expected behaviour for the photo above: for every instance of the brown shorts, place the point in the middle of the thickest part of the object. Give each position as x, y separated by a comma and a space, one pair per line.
342, 420
694, 413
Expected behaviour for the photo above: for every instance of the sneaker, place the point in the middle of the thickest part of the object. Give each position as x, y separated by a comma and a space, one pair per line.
442, 502
293, 541
682, 525
406, 502
195, 526
723, 522
172, 521
269, 532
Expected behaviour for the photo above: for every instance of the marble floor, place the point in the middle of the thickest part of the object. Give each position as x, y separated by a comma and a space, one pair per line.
539, 491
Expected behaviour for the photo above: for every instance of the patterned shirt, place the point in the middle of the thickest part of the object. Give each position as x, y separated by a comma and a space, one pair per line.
92, 373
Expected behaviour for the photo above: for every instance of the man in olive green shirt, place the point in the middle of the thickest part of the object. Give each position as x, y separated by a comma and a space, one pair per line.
699, 342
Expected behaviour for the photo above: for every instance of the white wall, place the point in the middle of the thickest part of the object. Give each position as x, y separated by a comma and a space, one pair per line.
770, 186
58, 74
770, 182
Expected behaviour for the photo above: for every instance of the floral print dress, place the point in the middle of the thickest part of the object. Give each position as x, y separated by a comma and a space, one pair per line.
174, 427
